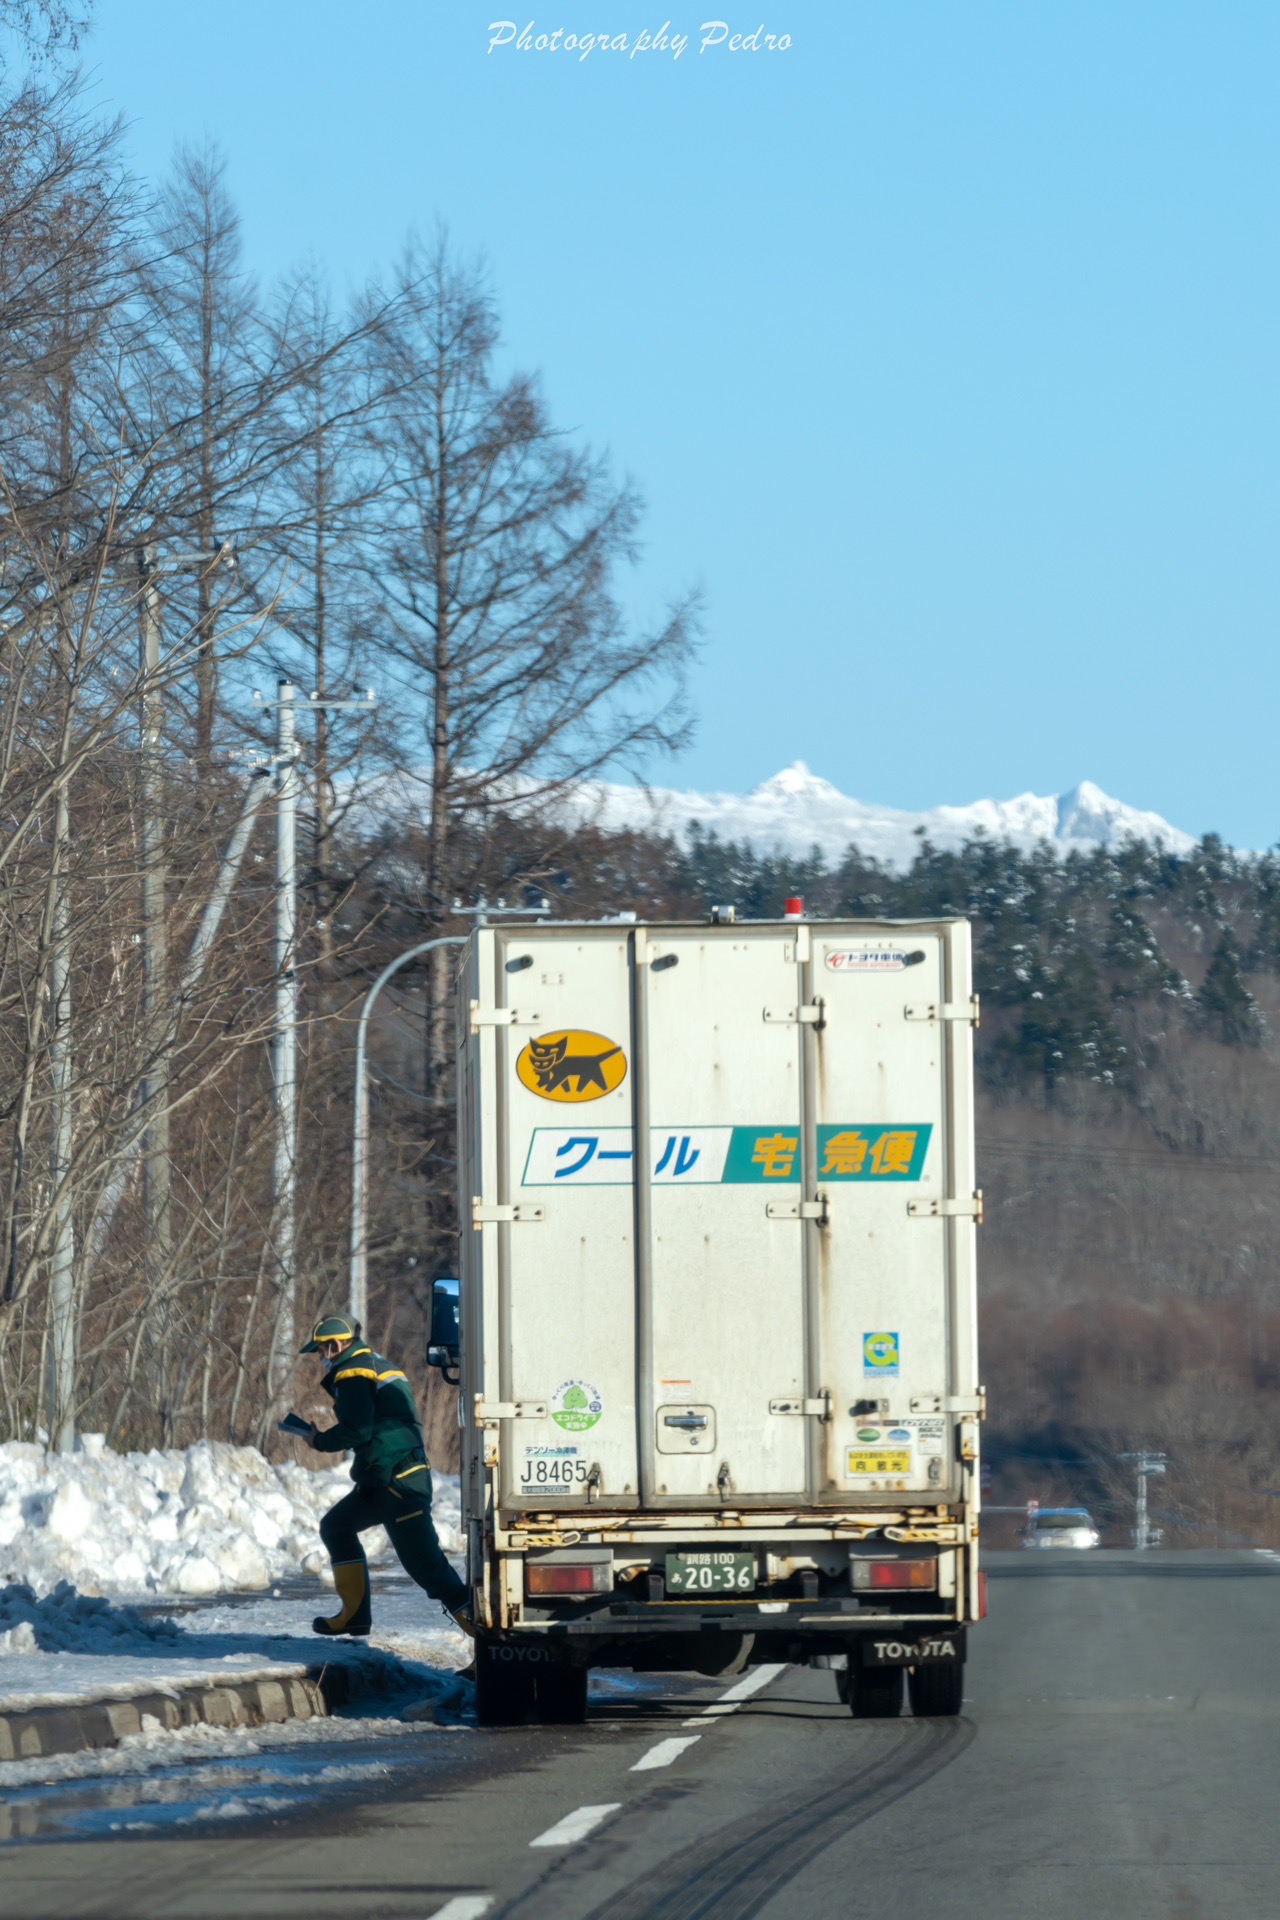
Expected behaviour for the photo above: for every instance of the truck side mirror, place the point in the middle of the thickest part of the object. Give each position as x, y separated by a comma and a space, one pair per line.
445, 1337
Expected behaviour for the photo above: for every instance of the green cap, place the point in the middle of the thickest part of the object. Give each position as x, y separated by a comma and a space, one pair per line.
332, 1327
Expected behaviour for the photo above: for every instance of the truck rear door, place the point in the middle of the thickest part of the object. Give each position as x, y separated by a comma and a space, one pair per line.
893, 1264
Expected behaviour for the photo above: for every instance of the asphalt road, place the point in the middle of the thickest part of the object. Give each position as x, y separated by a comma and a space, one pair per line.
1118, 1755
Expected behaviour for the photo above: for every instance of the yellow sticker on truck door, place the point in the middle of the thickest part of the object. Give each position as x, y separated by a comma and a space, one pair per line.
877, 1460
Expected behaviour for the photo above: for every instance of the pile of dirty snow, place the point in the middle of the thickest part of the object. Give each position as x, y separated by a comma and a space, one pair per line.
200, 1520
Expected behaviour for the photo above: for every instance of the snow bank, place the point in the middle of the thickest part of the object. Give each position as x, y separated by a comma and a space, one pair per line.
196, 1521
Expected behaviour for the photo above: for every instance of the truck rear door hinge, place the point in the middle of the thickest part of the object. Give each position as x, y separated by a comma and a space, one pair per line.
819, 1409
484, 1214
814, 1014
501, 1017
971, 1403
957, 1209
798, 1210
489, 1412
945, 1010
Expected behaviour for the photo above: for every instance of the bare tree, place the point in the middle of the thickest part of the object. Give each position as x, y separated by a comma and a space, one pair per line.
493, 567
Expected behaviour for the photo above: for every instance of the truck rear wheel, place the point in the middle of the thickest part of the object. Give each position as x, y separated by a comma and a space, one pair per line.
561, 1694
504, 1690
874, 1693
936, 1691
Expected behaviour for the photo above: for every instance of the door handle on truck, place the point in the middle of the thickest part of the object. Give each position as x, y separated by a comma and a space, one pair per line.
689, 1422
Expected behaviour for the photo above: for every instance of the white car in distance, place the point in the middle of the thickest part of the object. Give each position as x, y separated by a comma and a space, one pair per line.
1061, 1527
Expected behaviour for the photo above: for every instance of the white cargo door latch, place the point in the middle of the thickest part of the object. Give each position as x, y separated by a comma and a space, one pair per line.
484, 1214
957, 1209
813, 1014
972, 1403
945, 1010
489, 1412
798, 1210
501, 1017
819, 1409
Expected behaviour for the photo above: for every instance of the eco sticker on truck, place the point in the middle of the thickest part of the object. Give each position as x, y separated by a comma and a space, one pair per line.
880, 1355
576, 1406
571, 1065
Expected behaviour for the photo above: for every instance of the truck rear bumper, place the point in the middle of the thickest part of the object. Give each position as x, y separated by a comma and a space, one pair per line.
815, 1624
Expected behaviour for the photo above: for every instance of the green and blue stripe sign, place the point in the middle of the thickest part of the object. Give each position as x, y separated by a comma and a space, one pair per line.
726, 1156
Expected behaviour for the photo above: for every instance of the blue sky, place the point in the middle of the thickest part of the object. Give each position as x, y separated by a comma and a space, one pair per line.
943, 343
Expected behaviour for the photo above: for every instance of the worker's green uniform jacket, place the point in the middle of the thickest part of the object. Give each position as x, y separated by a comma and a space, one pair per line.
376, 1413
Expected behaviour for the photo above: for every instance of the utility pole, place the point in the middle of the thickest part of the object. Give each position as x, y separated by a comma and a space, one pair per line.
284, 1035
157, 1193
157, 1165
60, 1401
1146, 1464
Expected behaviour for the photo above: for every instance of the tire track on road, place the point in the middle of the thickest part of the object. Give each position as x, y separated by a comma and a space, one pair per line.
739, 1867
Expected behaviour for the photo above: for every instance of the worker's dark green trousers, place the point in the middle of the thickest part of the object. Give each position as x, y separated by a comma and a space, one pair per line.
404, 1509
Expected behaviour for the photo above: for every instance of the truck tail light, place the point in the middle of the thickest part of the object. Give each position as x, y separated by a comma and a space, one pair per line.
982, 1595
895, 1576
556, 1577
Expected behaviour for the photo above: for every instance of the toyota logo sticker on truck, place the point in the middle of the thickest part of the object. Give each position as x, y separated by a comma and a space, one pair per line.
571, 1065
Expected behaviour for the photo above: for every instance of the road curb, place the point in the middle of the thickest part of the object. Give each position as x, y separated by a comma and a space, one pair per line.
42, 1731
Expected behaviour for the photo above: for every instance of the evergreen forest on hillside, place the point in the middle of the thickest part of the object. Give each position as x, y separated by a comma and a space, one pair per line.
1128, 1127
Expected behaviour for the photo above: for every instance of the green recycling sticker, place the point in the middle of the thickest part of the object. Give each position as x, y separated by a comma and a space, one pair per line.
575, 1406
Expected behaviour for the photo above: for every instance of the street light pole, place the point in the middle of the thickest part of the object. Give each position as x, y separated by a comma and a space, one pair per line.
358, 1289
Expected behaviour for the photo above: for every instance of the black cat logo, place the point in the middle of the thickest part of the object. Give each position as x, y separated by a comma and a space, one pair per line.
572, 1065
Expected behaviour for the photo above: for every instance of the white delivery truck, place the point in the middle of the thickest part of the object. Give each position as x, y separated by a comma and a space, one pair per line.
719, 1392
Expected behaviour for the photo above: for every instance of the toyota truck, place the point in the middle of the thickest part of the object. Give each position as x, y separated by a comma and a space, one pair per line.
714, 1322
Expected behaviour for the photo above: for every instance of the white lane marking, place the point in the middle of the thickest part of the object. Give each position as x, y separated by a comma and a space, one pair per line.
464, 1906
575, 1826
664, 1753
730, 1702
753, 1683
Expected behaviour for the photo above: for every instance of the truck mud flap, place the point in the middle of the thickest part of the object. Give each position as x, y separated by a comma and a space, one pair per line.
928, 1650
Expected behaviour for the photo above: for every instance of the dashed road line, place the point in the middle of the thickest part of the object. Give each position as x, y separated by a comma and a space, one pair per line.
664, 1753
575, 1826
742, 1690
464, 1906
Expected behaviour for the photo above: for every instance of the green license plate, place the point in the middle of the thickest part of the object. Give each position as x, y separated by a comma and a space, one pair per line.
711, 1572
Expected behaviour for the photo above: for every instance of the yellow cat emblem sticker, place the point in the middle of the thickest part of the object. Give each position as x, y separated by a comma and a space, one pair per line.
572, 1066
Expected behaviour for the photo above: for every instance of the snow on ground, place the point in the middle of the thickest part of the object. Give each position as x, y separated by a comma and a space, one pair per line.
84, 1534
155, 1749
196, 1521
67, 1649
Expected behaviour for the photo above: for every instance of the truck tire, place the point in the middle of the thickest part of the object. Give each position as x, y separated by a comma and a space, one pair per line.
842, 1684
874, 1693
504, 1692
937, 1692
561, 1695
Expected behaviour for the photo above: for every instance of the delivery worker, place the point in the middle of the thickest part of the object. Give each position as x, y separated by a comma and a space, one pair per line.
377, 1418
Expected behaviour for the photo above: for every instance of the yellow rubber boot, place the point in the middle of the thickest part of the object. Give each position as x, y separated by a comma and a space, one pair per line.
351, 1578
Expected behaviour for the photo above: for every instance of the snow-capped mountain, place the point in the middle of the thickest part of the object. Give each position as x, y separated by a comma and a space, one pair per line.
796, 810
